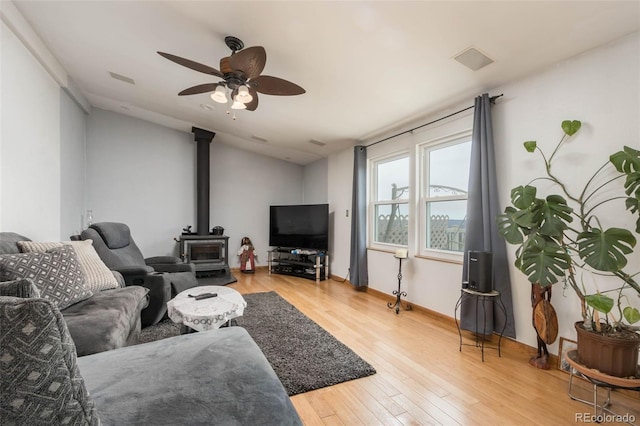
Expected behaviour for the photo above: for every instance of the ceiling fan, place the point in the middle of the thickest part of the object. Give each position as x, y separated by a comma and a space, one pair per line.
240, 74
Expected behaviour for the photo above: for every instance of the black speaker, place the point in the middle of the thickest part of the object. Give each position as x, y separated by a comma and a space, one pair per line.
480, 270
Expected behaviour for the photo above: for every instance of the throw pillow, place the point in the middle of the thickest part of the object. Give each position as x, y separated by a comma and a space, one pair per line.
19, 288
56, 273
40, 383
97, 275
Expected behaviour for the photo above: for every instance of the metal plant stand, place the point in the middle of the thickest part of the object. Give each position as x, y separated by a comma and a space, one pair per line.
399, 293
481, 298
600, 380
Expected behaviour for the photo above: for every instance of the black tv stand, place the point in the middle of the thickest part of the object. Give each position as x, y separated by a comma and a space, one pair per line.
305, 263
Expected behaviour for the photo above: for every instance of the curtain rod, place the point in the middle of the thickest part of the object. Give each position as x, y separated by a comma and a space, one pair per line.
491, 99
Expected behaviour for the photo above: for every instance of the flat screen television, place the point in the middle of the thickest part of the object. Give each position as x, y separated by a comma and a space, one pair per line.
299, 226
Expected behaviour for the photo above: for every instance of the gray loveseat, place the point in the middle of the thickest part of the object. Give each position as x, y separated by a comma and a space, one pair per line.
217, 377
106, 320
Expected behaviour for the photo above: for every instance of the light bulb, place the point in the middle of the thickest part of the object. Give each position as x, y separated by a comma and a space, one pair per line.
219, 95
237, 104
243, 95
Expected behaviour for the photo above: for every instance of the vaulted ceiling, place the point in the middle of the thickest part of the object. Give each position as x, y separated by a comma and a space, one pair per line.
367, 66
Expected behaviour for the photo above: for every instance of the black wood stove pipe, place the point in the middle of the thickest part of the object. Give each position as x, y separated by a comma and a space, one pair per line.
203, 140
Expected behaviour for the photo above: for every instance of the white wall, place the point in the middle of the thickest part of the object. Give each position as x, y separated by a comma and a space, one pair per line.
315, 182
143, 174
72, 166
340, 178
601, 88
30, 165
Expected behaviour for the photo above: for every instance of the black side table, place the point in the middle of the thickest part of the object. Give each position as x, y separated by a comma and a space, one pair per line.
494, 295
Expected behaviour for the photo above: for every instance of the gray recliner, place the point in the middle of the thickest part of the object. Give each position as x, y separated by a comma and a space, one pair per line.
164, 276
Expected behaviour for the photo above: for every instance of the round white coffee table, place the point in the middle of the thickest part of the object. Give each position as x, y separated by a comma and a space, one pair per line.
206, 314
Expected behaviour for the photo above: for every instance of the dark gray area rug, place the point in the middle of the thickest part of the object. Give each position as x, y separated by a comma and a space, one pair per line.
303, 354
221, 277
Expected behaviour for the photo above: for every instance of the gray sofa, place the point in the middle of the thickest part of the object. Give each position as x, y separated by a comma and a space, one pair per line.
217, 377
109, 319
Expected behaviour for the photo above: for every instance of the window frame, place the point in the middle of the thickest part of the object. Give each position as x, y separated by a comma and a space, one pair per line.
422, 151
374, 202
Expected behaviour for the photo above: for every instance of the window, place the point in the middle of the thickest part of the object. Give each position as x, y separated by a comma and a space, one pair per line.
390, 201
444, 179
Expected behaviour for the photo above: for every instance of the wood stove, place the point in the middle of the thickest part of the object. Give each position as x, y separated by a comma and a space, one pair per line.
208, 252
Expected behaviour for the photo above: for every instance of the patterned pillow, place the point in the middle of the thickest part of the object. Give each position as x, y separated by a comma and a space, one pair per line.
39, 378
97, 275
19, 288
56, 273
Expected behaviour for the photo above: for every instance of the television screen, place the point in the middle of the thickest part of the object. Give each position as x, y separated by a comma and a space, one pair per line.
299, 226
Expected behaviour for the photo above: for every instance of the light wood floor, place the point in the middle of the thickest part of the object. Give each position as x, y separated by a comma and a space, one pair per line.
422, 377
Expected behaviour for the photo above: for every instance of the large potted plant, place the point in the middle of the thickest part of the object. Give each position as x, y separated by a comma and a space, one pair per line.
561, 237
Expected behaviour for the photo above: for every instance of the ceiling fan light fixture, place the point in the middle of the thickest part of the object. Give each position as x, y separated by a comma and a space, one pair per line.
243, 95
219, 95
241, 75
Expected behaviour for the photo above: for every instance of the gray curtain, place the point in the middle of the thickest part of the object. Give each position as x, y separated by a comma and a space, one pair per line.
481, 229
359, 276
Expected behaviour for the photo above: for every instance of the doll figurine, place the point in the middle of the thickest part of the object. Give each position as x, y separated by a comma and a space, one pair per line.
247, 257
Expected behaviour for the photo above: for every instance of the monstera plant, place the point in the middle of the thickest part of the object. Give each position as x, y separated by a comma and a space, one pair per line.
560, 236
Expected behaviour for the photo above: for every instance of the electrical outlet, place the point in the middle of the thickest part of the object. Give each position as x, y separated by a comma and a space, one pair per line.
347, 213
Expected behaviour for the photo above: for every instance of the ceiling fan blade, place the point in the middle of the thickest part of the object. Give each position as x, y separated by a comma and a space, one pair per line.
250, 61
200, 88
192, 64
251, 106
276, 86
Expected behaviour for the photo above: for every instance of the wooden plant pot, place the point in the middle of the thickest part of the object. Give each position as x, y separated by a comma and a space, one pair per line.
611, 355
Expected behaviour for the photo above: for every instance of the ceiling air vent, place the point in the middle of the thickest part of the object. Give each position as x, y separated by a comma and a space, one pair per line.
122, 78
317, 142
473, 59
259, 139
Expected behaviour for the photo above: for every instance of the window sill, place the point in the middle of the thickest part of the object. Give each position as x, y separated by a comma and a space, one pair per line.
454, 258
448, 258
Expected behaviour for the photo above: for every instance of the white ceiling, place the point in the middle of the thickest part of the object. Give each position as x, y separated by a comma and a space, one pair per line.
367, 67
